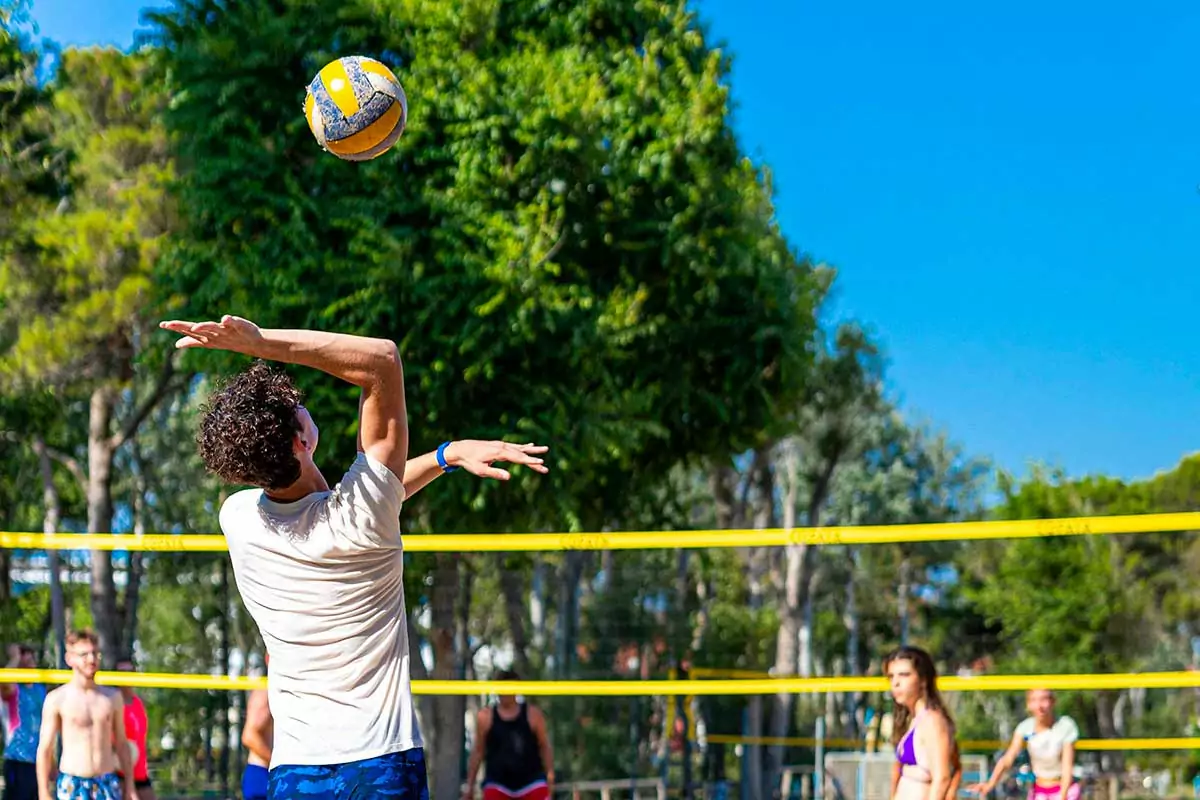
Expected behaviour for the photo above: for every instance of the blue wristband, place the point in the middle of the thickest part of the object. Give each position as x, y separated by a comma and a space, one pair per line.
441, 458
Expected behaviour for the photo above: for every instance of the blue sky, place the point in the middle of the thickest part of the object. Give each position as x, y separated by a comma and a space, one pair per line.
1010, 193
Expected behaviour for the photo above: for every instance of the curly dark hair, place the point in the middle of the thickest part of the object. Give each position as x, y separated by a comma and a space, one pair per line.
248, 426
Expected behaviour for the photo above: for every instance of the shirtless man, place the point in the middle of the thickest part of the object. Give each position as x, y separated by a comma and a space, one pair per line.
91, 720
258, 736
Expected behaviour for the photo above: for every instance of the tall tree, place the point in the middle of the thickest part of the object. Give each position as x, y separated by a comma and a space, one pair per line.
832, 425
567, 243
75, 284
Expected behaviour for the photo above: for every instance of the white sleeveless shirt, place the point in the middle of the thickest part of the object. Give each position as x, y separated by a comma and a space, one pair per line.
1046, 747
323, 578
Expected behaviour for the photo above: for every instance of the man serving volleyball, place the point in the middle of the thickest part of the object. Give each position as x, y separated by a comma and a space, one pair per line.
320, 569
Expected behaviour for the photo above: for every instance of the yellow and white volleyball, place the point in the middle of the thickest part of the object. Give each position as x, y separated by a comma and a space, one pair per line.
356, 108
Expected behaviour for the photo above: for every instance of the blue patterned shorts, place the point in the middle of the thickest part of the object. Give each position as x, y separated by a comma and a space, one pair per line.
101, 787
396, 776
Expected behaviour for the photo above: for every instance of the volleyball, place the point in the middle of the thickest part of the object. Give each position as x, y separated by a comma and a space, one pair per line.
356, 108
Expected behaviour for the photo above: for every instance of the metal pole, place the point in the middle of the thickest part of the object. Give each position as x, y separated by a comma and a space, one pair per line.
819, 761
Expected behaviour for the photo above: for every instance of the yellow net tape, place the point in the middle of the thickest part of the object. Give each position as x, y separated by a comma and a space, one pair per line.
651, 540
619, 688
975, 745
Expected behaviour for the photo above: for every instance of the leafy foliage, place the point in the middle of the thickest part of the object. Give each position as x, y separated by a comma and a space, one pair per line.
76, 281
566, 242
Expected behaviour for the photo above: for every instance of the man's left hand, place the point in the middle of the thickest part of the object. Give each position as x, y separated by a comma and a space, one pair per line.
477, 457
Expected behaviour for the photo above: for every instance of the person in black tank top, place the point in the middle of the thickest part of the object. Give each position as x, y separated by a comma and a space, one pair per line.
512, 742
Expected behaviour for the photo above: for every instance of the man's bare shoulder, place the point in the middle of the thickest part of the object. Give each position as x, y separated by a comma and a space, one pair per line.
54, 697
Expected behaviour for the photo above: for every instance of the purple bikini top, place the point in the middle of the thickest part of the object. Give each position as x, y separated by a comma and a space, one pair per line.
906, 751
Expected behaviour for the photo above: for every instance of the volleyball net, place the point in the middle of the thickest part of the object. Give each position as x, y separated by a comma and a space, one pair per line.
612, 668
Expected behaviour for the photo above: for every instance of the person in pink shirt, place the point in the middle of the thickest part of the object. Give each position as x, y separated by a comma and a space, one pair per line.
136, 729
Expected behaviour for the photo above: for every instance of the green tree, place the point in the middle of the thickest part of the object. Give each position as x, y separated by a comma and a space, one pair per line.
22, 147
75, 280
567, 244
1092, 603
831, 427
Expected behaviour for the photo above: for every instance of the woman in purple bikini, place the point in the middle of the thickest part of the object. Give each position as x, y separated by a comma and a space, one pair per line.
922, 731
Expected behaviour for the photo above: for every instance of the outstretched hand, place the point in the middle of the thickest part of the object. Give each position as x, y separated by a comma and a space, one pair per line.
477, 457
231, 333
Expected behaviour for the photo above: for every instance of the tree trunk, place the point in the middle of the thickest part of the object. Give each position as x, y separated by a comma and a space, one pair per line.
704, 599
133, 580
568, 610
678, 628
447, 711
797, 588
1137, 703
759, 482
806, 652
463, 626
680, 639
753, 757
1106, 720
851, 619
514, 610
537, 603
50, 519
721, 489
902, 594
100, 516
419, 672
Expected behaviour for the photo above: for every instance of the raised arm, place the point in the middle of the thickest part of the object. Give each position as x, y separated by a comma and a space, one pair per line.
371, 364
47, 739
1003, 764
475, 457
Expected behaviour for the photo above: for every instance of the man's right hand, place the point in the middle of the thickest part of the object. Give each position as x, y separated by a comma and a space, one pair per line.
231, 333
468, 793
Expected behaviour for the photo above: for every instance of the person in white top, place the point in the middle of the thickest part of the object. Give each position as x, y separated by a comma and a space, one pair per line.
1051, 743
320, 569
